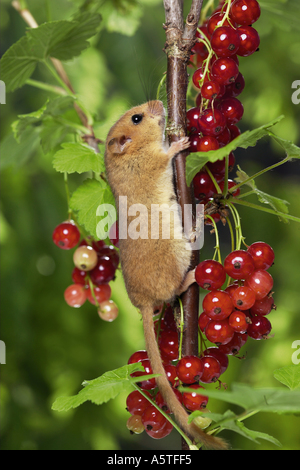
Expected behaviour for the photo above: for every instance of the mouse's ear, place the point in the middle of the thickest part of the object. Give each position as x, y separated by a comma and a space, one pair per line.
118, 144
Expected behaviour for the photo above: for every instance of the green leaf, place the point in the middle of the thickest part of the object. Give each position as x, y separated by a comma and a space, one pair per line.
195, 161
86, 200
274, 400
78, 158
292, 150
18, 153
60, 39
100, 390
289, 376
122, 17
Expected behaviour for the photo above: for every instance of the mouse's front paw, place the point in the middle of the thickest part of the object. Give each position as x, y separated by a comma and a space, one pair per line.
179, 145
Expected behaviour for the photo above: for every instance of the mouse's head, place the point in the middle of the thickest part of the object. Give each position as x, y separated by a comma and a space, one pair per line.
138, 127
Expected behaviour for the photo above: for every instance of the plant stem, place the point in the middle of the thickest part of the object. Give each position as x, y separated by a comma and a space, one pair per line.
46, 86
259, 173
266, 209
217, 247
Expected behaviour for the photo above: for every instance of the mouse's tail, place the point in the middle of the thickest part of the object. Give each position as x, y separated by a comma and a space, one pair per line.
181, 416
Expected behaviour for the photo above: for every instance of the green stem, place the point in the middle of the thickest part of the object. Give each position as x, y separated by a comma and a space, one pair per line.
76, 126
181, 328
225, 190
67, 193
160, 85
234, 188
266, 209
46, 86
231, 233
237, 224
217, 247
218, 189
58, 79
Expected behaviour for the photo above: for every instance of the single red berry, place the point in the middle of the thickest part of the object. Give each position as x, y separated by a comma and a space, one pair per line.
219, 331
164, 431
215, 21
194, 401
207, 143
192, 118
79, 277
210, 90
204, 188
212, 122
217, 304
235, 89
152, 419
75, 295
239, 264
261, 282
217, 354
232, 109
211, 369
259, 328
66, 235
263, 306
231, 184
189, 369
249, 40
146, 384
232, 347
203, 320
138, 356
194, 141
210, 274
136, 403
238, 321
245, 12
224, 137
243, 298
262, 254
225, 41
109, 252
198, 78
101, 293
168, 344
103, 272
234, 131
225, 70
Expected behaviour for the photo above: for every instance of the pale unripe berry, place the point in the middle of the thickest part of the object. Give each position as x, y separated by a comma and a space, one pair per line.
85, 258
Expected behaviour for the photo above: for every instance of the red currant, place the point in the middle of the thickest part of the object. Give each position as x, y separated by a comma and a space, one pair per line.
66, 235
215, 21
212, 122
238, 321
203, 186
103, 272
245, 12
189, 369
217, 354
224, 70
75, 295
192, 118
210, 90
263, 306
249, 40
259, 328
136, 403
243, 298
225, 41
262, 254
138, 356
194, 401
261, 282
168, 344
217, 304
203, 320
232, 109
152, 419
101, 293
239, 264
210, 274
219, 331
211, 369
162, 432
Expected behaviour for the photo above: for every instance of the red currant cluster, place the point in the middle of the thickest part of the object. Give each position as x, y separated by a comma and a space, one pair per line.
189, 370
95, 266
229, 317
239, 311
211, 124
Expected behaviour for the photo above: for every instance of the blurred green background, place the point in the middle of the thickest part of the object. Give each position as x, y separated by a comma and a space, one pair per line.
52, 348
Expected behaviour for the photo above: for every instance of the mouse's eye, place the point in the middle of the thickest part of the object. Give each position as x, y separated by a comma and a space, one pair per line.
137, 118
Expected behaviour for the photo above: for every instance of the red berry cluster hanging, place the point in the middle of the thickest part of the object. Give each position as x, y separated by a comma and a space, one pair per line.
95, 266
211, 124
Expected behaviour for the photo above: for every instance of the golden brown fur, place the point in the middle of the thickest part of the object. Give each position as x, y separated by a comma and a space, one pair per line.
139, 166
